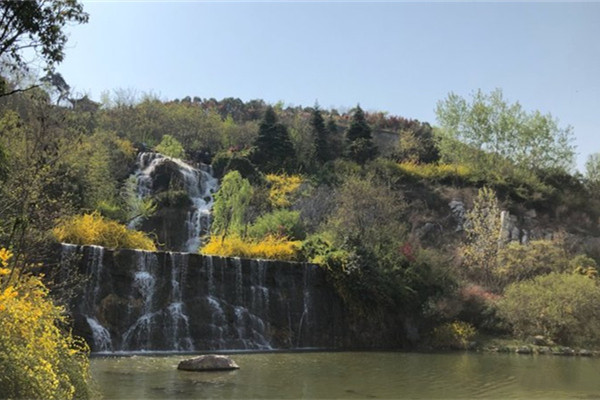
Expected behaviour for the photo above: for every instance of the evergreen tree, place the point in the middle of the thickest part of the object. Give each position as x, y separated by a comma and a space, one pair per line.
273, 148
321, 137
360, 146
335, 142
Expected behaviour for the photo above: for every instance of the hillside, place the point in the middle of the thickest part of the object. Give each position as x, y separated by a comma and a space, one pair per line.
416, 229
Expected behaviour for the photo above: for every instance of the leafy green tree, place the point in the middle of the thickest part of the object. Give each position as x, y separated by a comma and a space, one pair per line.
231, 203
592, 171
38, 26
518, 262
371, 214
274, 149
483, 231
563, 307
417, 144
359, 141
488, 124
169, 146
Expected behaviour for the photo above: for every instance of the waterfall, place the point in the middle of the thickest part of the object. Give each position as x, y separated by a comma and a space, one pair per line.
88, 308
137, 300
199, 184
177, 322
138, 336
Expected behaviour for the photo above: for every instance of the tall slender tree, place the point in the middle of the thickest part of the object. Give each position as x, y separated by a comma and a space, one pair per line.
321, 136
359, 141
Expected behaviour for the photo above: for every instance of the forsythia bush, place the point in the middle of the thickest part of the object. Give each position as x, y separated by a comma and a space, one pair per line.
269, 247
282, 188
37, 359
95, 229
454, 335
435, 171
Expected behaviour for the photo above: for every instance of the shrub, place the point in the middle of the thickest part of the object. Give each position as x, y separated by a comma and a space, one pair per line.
563, 307
94, 229
282, 223
453, 335
584, 265
283, 187
436, 172
37, 359
169, 146
226, 161
173, 198
524, 261
270, 247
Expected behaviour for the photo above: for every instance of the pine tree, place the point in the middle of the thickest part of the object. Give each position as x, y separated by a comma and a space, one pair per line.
359, 141
321, 135
273, 148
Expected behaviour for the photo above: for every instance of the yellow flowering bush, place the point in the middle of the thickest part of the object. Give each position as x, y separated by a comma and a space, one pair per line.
93, 228
454, 335
282, 187
38, 359
269, 247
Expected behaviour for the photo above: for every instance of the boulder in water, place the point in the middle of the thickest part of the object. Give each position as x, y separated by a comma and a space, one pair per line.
208, 363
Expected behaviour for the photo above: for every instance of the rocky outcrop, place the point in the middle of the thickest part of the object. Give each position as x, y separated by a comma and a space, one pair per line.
208, 363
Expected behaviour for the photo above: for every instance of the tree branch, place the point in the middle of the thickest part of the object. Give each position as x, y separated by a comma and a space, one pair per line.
18, 91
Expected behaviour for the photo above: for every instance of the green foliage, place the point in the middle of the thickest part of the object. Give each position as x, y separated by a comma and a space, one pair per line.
232, 160
322, 137
563, 307
279, 223
488, 124
36, 25
584, 265
371, 213
483, 229
453, 335
437, 172
592, 172
359, 141
169, 146
173, 198
417, 144
273, 148
230, 206
136, 207
517, 261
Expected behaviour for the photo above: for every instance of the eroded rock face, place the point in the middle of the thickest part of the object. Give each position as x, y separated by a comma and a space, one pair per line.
208, 363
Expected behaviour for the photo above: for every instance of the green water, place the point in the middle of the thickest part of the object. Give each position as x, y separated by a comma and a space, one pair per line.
354, 375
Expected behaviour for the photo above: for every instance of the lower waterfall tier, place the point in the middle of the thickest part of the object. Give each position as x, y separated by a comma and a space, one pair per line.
165, 301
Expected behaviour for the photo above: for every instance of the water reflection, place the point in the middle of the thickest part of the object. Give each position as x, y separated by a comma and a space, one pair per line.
354, 375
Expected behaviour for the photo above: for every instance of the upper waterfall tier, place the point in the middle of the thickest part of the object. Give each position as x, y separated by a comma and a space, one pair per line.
179, 225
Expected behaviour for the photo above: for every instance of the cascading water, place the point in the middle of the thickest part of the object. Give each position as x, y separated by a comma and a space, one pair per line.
137, 300
177, 322
89, 307
199, 184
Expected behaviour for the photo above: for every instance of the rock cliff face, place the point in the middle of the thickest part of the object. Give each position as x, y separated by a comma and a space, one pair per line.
165, 301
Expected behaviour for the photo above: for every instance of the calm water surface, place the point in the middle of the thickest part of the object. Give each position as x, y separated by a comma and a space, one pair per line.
354, 375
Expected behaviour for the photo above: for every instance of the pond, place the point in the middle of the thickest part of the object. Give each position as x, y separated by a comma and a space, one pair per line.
353, 375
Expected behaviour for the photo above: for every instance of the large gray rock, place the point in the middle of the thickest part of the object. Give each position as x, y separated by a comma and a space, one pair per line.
208, 363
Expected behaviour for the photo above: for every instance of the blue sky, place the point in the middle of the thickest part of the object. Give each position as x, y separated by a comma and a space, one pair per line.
400, 57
